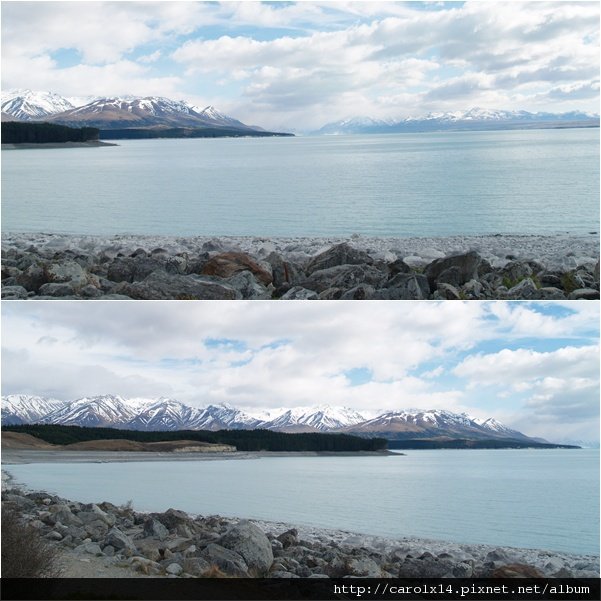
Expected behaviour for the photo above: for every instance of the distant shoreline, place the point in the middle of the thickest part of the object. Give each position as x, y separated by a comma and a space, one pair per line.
26, 456
47, 145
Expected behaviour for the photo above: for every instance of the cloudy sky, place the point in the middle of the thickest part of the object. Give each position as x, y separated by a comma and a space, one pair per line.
533, 366
298, 65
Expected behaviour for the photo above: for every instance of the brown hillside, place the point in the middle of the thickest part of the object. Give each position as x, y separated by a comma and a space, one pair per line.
17, 440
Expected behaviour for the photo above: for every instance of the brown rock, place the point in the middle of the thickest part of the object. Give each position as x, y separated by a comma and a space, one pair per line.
517, 570
228, 264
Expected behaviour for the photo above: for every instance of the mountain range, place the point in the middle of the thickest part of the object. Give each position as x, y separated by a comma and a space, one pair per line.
114, 113
166, 414
473, 119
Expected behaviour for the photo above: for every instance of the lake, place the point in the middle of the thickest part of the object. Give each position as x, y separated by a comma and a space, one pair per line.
402, 185
545, 499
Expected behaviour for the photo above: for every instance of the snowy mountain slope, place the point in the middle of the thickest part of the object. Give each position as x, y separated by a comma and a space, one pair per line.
27, 105
166, 414
100, 411
112, 112
323, 419
26, 409
475, 118
431, 424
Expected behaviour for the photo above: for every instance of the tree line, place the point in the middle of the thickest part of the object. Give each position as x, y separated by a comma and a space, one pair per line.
14, 132
243, 440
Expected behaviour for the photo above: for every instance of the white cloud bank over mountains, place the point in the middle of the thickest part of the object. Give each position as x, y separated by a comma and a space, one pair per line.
534, 365
300, 65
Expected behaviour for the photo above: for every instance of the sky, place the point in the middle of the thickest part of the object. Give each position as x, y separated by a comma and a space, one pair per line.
532, 366
299, 65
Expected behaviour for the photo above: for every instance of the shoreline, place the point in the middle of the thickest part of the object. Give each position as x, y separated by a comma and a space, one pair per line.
27, 456
47, 145
194, 544
143, 267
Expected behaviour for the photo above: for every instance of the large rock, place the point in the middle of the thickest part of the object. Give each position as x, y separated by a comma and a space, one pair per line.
466, 263
68, 271
154, 528
300, 293
228, 264
248, 287
14, 292
32, 278
517, 570
252, 544
284, 272
341, 254
120, 541
345, 277
525, 290
408, 287
160, 285
584, 294
132, 269
230, 562
197, 566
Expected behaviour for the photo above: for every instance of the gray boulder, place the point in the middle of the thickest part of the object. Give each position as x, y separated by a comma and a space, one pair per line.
448, 292
300, 293
197, 566
119, 540
526, 289
247, 285
466, 263
341, 254
252, 544
360, 292
584, 294
66, 272
160, 285
14, 292
408, 287
284, 272
57, 289
32, 277
345, 277
154, 528
230, 562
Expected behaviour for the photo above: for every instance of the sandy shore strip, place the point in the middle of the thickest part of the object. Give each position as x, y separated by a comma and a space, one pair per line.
102, 540
22, 456
46, 145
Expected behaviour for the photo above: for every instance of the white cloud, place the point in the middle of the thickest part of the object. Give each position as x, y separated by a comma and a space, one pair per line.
339, 59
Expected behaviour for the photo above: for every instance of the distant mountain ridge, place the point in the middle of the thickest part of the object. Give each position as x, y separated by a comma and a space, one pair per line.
114, 112
472, 119
166, 414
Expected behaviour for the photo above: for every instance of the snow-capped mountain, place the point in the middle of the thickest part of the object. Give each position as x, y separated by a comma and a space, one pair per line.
323, 419
397, 425
27, 105
113, 112
166, 414
26, 409
100, 411
472, 119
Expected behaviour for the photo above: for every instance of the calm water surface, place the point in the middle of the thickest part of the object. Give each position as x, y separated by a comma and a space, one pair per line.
431, 184
525, 498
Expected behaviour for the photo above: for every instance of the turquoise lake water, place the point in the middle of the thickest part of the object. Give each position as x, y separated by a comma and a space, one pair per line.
546, 499
431, 184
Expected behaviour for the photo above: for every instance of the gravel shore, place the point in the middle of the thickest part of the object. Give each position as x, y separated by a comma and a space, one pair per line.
52, 266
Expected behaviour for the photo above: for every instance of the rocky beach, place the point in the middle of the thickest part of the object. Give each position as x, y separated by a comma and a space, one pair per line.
103, 540
528, 267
